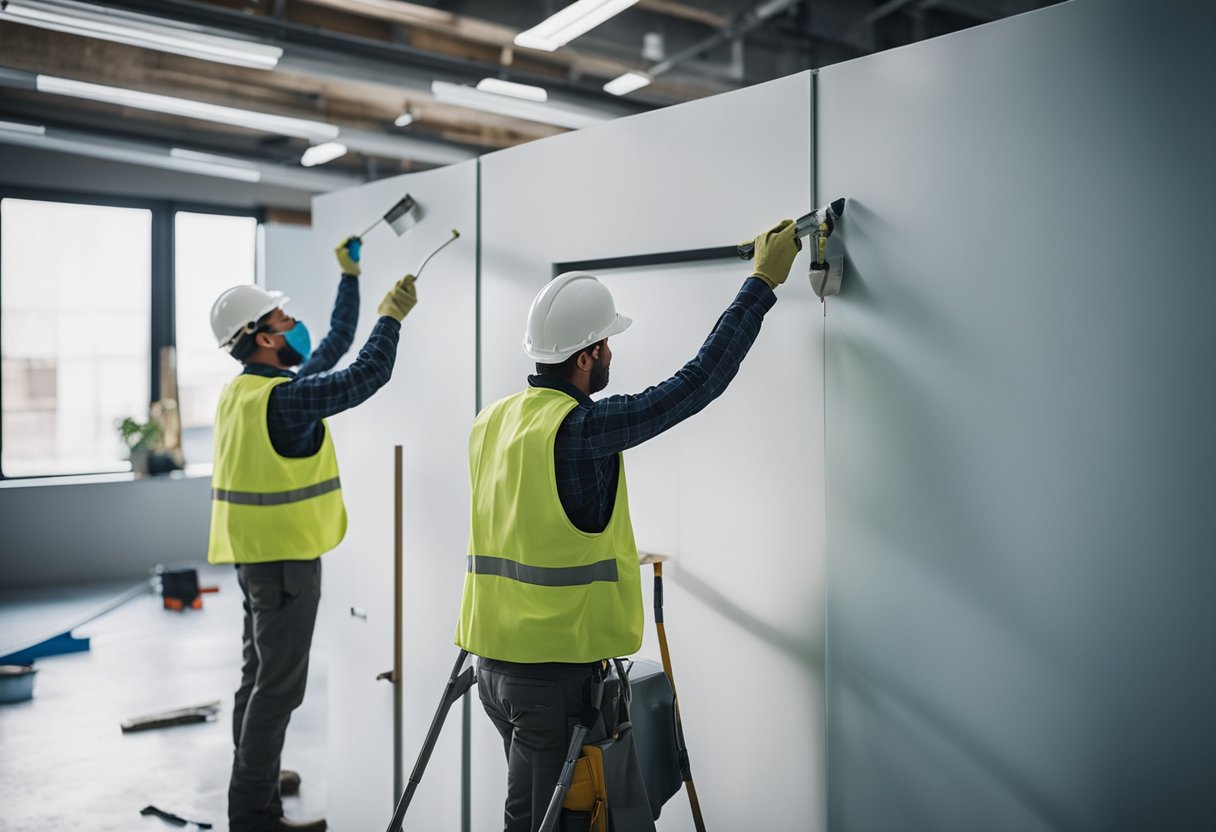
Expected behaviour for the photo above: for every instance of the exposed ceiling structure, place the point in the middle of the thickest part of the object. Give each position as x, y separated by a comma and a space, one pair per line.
313, 95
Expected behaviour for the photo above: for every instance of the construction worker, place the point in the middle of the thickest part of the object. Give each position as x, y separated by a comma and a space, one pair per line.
553, 584
277, 503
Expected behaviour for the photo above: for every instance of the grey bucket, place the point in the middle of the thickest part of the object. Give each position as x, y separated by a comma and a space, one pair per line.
16, 683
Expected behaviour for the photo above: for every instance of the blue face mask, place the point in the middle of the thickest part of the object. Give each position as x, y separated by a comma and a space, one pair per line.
300, 341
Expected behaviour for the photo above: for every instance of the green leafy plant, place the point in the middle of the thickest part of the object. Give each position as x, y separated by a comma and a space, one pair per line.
138, 436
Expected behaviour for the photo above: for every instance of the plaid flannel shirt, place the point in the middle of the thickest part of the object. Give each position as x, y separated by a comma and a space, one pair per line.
296, 408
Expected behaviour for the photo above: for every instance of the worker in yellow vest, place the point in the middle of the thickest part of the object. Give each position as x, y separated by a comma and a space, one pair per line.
553, 585
276, 504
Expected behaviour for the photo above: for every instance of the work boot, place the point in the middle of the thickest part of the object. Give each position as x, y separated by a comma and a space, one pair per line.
289, 782
317, 825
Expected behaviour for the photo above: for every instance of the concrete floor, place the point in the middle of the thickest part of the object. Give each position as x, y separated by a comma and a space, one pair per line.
65, 763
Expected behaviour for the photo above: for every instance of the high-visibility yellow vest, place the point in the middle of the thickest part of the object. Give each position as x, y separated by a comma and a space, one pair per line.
537, 588
264, 506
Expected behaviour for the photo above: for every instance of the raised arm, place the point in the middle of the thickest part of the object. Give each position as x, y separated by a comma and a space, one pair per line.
617, 423
309, 399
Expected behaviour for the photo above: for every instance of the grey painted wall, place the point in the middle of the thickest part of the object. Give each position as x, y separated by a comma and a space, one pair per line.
54, 533
1019, 426
112, 527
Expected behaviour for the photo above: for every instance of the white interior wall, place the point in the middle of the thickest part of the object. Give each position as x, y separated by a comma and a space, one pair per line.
744, 597
426, 408
1019, 428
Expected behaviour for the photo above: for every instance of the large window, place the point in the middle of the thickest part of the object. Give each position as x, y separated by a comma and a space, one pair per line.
213, 253
90, 294
75, 311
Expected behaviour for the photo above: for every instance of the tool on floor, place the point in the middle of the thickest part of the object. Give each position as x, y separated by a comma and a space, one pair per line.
826, 273
442, 246
404, 215
165, 719
63, 641
682, 749
179, 589
169, 817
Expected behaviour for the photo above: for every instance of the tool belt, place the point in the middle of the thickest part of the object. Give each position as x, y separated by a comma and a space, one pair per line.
607, 791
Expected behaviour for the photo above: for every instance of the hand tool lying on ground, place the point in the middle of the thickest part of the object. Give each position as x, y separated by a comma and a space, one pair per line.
169, 817
180, 716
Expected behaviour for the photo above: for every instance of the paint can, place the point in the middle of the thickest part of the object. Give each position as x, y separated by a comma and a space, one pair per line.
16, 682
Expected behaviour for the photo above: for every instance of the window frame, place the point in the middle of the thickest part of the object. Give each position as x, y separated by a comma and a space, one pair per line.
164, 274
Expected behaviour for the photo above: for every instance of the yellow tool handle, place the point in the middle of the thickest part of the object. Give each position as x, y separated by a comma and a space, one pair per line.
693, 801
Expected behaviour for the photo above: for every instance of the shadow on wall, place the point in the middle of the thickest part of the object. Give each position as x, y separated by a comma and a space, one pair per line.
922, 724
804, 647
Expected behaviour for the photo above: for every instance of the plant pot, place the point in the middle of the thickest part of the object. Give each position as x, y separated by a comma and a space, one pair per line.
140, 463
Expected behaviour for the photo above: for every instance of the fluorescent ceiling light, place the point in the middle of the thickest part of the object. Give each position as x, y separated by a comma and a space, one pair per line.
322, 153
180, 159
524, 91
627, 83
576, 19
466, 96
283, 125
145, 31
211, 158
18, 127
404, 120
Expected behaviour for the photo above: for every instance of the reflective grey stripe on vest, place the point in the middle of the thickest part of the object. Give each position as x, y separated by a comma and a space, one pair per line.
604, 570
275, 498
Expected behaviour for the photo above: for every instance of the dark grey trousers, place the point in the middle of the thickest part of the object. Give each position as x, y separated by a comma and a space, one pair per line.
281, 601
535, 708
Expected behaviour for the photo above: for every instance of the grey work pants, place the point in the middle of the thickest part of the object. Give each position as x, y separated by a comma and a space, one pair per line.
281, 601
535, 708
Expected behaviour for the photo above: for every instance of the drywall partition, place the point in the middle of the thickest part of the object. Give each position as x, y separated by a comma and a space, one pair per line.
734, 494
426, 408
1019, 426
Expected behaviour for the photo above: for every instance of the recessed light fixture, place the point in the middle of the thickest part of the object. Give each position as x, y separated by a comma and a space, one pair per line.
322, 153
627, 83
525, 91
283, 125
578, 18
145, 31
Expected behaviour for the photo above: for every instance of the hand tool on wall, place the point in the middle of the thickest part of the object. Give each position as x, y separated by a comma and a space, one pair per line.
404, 215
685, 770
826, 273
442, 246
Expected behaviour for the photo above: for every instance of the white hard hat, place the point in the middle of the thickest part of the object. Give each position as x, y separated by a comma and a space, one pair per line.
573, 311
237, 311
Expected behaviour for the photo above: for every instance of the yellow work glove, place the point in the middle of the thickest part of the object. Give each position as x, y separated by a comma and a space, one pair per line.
400, 299
348, 252
775, 253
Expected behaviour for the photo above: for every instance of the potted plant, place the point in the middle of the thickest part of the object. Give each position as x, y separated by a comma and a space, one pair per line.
140, 438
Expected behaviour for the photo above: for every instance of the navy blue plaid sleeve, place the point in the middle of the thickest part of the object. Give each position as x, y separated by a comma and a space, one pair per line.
306, 400
617, 423
341, 335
